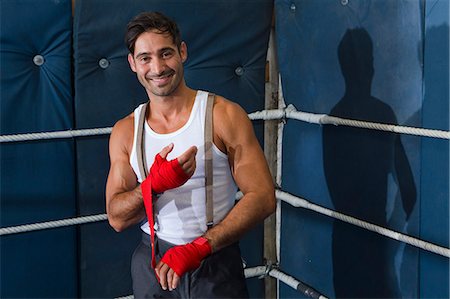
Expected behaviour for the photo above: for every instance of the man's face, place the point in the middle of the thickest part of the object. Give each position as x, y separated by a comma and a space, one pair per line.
158, 63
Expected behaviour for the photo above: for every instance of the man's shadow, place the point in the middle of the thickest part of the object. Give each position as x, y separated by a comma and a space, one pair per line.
358, 165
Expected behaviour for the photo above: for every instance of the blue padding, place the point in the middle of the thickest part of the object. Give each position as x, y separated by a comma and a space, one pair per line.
227, 44
434, 270
37, 178
371, 175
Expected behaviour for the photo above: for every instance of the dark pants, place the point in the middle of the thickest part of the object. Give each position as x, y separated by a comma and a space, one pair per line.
220, 275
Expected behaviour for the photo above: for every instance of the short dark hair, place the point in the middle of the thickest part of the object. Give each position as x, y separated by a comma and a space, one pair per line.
149, 21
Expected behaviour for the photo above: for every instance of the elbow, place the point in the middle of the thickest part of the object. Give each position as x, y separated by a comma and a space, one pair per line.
271, 203
118, 226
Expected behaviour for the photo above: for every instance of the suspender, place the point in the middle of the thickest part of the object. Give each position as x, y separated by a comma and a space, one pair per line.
209, 161
140, 153
140, 144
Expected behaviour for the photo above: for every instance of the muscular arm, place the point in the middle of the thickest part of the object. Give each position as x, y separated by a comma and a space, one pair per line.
234, 131
124, 204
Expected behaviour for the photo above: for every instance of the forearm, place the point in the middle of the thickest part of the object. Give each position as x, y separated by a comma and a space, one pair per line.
126, 209
251, 209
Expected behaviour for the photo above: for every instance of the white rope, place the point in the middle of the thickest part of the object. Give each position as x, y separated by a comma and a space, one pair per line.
51, 224
323, 119
55, 134
295, 284
303, 203
261, 271
271, 114
290, 112
255, 271
289, 198
64, 222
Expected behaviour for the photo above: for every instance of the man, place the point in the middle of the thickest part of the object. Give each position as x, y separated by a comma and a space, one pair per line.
192, 260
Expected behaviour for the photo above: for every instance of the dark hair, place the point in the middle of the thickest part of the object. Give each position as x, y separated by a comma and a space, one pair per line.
149, 21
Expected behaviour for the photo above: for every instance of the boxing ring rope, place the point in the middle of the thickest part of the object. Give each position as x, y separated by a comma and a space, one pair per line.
55, 135
323, 119
51, 224
280, 195
276, 114
289, 112
303, 203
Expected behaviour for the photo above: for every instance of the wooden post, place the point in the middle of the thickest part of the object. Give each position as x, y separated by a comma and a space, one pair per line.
270, 151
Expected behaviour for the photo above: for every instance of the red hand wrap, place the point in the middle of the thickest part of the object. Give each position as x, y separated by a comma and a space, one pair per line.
185, 258
147, 195
166, 175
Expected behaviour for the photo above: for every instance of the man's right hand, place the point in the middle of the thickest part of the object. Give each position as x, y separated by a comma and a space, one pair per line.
165, 175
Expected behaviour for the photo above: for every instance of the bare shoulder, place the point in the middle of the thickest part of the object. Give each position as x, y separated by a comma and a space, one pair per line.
122, 135
231, 123
228, 112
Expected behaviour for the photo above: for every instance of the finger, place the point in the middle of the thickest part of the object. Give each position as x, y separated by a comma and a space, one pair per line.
189, 167
166, 150
170, 274
175, 280
187, 155
163, 276
157, 268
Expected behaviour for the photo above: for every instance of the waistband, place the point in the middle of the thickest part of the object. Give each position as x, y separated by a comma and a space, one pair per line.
161, 246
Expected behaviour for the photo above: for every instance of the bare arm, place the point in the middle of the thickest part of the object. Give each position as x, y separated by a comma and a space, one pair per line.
124, 204
234, 131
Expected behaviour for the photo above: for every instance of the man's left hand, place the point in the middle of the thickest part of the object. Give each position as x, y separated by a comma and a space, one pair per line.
181, 259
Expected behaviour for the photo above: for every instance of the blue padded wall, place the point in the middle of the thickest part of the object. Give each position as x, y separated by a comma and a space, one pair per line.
227, 44
372, 175
434, 225
37, 178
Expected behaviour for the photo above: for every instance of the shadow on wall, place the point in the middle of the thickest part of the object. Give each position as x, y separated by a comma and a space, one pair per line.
357, 165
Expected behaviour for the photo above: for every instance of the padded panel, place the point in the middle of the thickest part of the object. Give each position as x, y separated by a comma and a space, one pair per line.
217, 52
374, 176
37, 178
227, 44
434, 277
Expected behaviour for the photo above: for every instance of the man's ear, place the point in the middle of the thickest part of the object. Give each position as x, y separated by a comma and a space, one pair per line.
183, 52
131, 62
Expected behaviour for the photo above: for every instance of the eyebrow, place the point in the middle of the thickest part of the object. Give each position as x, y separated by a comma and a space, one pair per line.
159, 51
142, 54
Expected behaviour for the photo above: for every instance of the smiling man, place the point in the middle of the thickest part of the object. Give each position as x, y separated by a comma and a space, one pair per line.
159, 174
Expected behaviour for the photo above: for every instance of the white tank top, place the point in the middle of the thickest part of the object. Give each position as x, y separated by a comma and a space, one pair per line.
180, 213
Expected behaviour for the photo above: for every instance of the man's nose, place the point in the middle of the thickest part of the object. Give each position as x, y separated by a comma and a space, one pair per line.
158, 66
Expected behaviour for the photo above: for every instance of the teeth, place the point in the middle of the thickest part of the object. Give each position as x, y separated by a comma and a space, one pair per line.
161, 77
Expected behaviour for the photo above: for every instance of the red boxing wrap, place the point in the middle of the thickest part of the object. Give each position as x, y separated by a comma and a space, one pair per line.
147, 195
166, 175
185, 258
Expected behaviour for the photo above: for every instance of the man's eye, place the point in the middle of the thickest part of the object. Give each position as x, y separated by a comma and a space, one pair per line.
166, 54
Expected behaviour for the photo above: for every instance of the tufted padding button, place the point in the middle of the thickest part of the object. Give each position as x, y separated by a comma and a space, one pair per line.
293, 7
103, 63
38, 60
239, 71
344, 2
